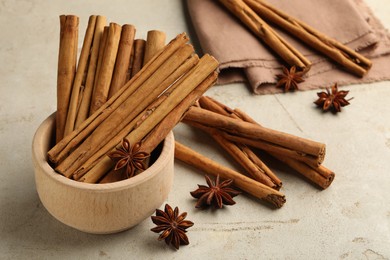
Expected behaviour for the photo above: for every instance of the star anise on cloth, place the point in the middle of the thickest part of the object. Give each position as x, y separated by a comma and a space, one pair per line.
332, 99
129, 158
172, 225
217, 193
290, 79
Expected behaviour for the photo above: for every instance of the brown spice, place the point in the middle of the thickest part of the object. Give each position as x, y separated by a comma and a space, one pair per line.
217, 193
172, 225
130, 158
332, 99
290, 79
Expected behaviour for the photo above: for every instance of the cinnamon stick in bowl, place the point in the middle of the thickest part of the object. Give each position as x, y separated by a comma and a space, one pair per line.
67, 59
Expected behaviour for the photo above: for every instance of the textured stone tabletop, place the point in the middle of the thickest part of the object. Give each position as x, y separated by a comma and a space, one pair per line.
349, 220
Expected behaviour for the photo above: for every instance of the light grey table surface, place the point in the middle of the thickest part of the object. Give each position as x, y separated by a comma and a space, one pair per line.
350, 220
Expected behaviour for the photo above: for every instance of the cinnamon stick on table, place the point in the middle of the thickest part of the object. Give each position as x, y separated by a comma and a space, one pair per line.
85, 99
79, 80
246, 184
122, 62
263, 31
321, 176
253, 131
236, 150
346, 57
67, 59
318, 174
240, 152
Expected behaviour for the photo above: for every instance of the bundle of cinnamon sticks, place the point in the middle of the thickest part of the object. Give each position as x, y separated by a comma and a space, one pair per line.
256, 14
122, 89
235, 131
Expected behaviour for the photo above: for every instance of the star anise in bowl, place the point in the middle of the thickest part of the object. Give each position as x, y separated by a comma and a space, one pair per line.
333, 99
290, 79
129, 157
215, 194
172, 225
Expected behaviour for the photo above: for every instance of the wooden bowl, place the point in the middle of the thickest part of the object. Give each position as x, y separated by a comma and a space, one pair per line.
101, 208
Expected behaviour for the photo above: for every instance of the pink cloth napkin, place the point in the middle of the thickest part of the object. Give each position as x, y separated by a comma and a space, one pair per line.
243, 57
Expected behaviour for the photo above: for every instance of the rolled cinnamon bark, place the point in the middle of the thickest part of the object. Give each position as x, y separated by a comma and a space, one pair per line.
248, 185
188, 83
263, 31
81, 73
138, 58
67, 58
85, 100
61, 150
254, 131
122, 62
277, 149
240, 152
338, 52
321, 176
102, 86
237, 152
155, 42
317, 174
125, 113
159, 132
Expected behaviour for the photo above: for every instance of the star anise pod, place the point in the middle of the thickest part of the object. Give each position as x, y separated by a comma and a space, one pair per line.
130, 158
172, 225
290, 79
215, 194
332, 99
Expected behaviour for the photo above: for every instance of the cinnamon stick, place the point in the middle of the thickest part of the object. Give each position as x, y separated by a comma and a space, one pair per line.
183, 69
102, 47
67, 59
102, 86
85, 100
321, 176
79, 79
317, 174
159, 132
155, 41
240, 152
237, 152
138, 59
248, 185
254, 131
123, 58
125, 113
184, 86
61, 150
265, 33
338, 52
112, 176
277, 149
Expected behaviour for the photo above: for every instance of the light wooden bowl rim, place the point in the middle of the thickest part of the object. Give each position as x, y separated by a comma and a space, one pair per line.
40, 154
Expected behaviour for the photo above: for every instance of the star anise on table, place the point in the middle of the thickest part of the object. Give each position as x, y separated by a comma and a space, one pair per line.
332, 99
217, 193
129, 158
172, 225
290, 79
